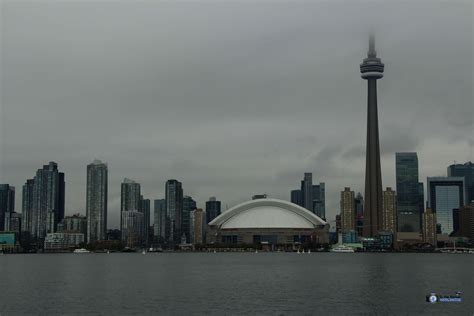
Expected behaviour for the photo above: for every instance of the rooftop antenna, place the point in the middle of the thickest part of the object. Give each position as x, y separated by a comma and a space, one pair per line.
372, 52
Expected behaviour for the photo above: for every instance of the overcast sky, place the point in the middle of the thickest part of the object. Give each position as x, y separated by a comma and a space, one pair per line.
232, 98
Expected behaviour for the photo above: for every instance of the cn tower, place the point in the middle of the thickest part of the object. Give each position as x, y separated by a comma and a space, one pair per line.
371, 70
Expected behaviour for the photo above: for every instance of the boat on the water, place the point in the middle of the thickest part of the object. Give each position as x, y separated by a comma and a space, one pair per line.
151, 249
342, 248
81, 250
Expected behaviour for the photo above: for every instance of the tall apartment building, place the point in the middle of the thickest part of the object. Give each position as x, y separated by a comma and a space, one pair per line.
96, 201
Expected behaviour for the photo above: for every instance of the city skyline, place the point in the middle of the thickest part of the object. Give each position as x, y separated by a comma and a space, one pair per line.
286, 127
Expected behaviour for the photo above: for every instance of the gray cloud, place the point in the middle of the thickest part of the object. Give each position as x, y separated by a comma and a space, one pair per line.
231, 98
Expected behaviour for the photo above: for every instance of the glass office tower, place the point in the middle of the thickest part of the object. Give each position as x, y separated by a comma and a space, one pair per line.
444, 195
409, 193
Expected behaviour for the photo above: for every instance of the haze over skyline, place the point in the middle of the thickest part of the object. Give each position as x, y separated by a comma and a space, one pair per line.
232, 99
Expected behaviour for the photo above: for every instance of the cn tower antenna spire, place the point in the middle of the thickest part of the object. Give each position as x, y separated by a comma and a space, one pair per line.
372, 52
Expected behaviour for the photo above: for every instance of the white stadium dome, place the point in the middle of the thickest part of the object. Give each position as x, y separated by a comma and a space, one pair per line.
267, 213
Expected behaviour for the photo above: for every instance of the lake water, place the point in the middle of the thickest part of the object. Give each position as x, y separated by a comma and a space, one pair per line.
234, 283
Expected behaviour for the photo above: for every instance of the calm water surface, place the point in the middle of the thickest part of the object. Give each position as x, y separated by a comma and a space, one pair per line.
234, 283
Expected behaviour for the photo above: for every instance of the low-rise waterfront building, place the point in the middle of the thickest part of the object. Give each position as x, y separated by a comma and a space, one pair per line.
8, 242
62, 241
349, 237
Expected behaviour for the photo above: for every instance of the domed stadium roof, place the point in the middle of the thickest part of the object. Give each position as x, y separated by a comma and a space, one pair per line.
267, 213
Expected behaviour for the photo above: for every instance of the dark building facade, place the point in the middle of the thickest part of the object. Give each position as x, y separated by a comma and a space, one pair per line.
359, 213
311, 197
43, 201
189, 205
466, 222
297, 197
409, 193
213, 209
96, 201
13, 223
159, 221
27, 206
7, 204
371, 70
130, 196
467, 171
145, 209
174, 210
307, 191
319, 200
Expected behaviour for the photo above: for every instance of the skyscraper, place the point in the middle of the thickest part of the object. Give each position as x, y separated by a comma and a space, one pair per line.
159, 224
409, 192
297, 197
197, 226
444, 195
27, 206
188, 206
174, 209
43, 201
347, 210
466, 221
7, 204
130, 198
319, 199
372, 69
145, 209
213, 209
467, 171
359, 209
96, 201
429, 227
307, 191
389, 213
